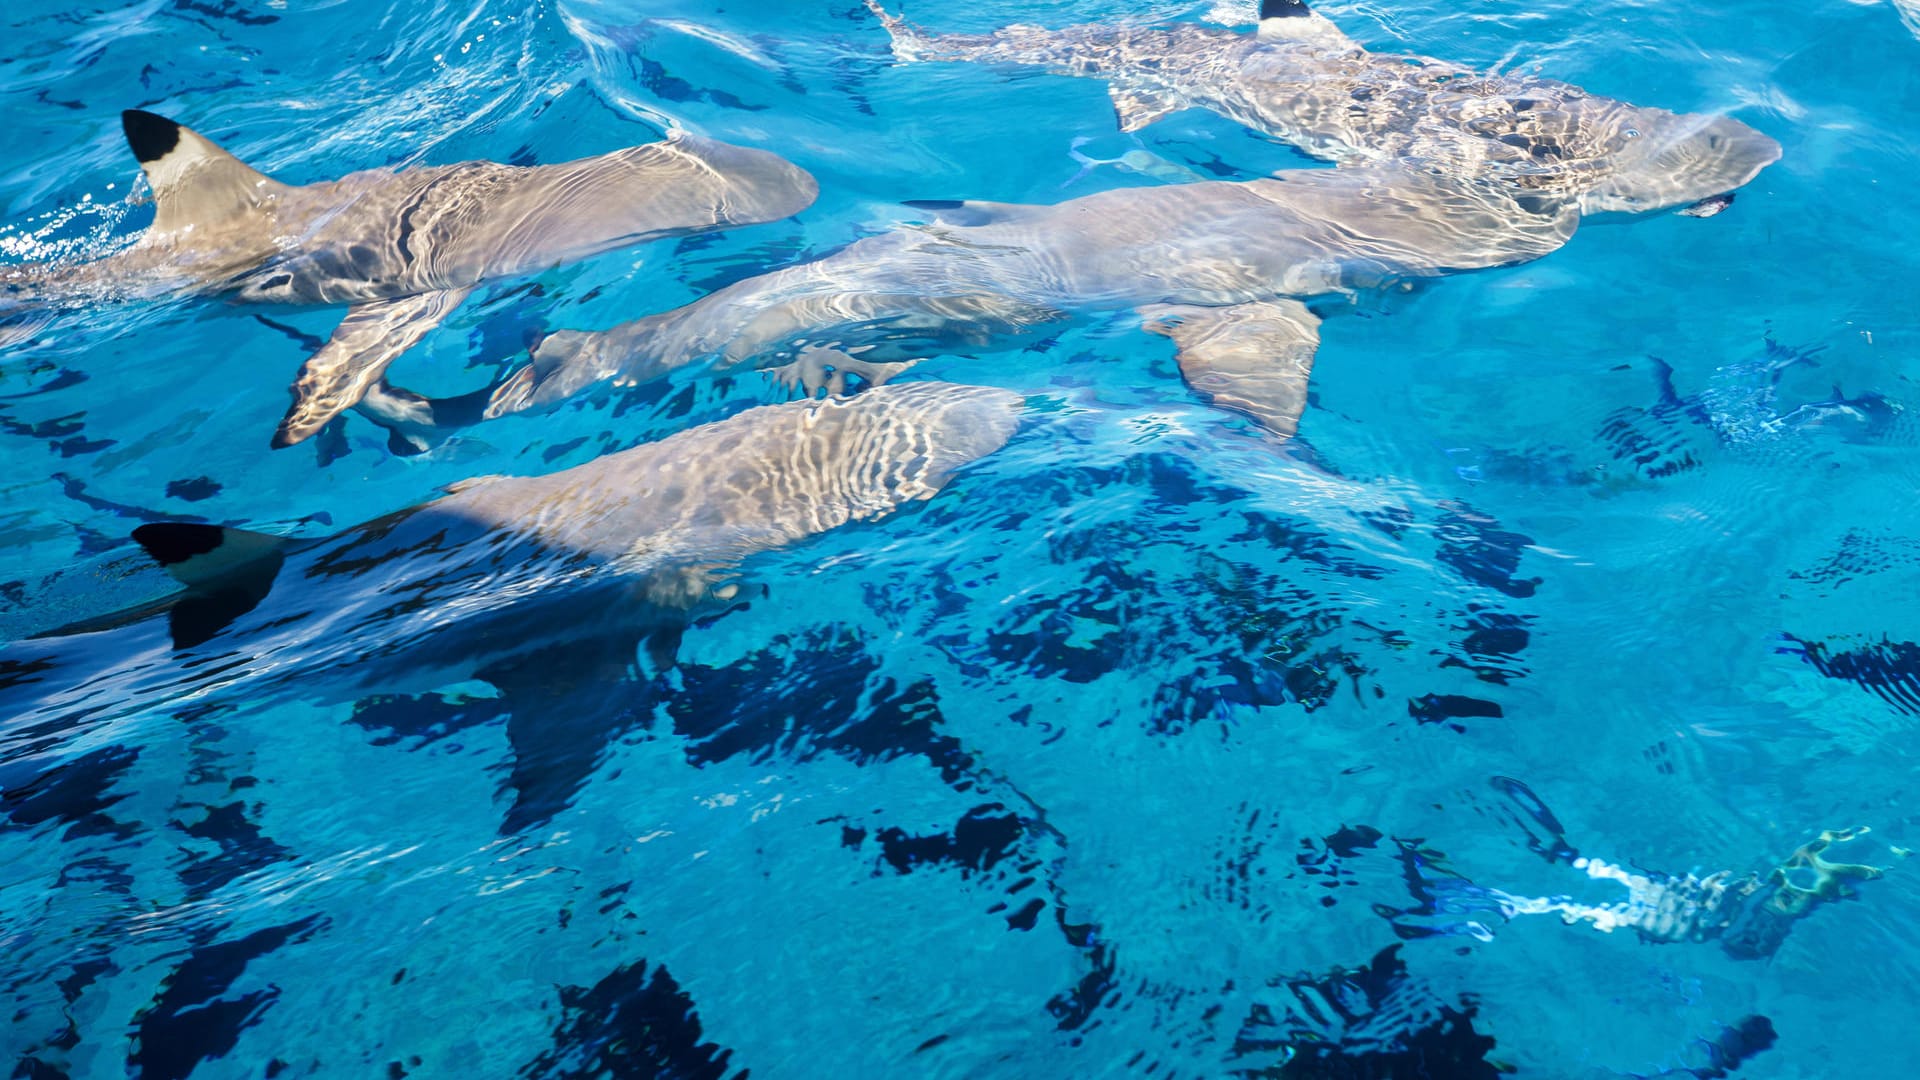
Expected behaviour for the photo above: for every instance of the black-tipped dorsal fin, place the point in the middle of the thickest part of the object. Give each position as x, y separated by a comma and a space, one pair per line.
194, 182
199, 555
1293, 20
227, 573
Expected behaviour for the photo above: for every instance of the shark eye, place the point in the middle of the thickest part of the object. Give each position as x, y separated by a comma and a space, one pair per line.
1633, 133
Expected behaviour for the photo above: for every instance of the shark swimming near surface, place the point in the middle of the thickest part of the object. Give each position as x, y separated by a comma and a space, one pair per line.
402, 249
1440, 169
548, 587
1301, 80
1221, 267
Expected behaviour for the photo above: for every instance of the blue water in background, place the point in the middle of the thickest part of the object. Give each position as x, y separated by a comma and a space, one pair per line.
1103, 754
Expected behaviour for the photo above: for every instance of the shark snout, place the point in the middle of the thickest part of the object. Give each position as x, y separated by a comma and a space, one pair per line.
759, 186
1681, 160
1729, 151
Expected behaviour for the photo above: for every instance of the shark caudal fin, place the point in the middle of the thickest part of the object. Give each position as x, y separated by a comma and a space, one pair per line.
416, 424
194, 181
1293, 20
227, 573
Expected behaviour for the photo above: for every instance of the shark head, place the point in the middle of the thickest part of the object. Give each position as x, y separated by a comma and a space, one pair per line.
1655, 159
756, 185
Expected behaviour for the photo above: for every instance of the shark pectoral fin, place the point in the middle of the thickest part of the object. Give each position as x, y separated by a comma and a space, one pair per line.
195, 183
1135, 108
1293, 20
1251, 358
227, 573
566, 704
366, 341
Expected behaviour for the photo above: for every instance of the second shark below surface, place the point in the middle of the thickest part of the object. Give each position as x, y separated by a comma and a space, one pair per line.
548, 587
1220, 267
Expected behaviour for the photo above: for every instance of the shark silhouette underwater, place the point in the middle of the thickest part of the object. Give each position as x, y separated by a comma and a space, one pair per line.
1221, 267
403, 248
549, 587
1301, 80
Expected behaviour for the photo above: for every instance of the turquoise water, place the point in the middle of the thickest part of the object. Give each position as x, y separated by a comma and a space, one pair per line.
1148, 747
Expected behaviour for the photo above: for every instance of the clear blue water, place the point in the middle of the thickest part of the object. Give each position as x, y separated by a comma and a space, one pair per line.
1125, 755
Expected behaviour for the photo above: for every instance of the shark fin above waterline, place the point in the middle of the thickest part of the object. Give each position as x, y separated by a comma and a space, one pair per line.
1284, 9
1136, 107
1293, 20
227, 573
354, 359
194, 181
1251, 358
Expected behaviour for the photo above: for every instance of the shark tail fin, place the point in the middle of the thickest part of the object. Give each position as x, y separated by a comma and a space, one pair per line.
227, 573
416, 424
194, 181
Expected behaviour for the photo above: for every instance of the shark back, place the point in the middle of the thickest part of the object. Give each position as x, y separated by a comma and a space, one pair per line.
710, 496
661, 518
1413, 222
1302, 234
377, 234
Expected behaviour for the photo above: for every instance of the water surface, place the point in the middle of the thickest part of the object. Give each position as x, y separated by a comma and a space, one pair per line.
1126, 754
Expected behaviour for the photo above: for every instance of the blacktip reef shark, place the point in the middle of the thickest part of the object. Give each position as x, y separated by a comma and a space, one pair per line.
1301, 80
544, 586
403, 248
1441, 169
1221, 267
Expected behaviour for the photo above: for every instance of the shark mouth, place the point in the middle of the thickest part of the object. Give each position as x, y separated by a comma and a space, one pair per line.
1709, 206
